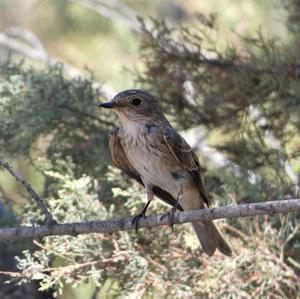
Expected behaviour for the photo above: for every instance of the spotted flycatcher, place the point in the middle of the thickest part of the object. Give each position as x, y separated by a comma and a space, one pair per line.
150, 150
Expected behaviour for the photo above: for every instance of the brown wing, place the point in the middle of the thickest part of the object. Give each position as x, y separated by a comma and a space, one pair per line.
184, 155
120, 160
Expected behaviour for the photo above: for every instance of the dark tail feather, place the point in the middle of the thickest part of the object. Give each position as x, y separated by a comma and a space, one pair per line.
210, 238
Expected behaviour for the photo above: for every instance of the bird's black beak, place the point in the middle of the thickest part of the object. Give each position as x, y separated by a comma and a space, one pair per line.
106, 105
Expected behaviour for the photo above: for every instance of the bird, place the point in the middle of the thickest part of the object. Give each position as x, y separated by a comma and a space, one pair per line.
149, 150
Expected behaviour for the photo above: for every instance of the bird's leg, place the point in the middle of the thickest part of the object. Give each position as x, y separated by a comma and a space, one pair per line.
137, 218
172, 212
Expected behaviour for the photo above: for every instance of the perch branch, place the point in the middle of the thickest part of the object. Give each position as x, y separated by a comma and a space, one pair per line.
40, 202
108, 226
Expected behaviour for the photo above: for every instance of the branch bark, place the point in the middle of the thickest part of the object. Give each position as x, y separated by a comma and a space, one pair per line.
113, 10
36, 51
108, 226
40, 202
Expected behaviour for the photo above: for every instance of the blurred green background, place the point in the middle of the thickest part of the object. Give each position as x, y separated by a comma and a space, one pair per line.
76, 34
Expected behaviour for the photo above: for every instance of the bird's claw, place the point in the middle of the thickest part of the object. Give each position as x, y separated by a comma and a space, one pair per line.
136, 220
170, 215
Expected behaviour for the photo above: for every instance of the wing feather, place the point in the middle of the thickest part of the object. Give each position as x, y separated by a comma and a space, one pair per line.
184, 155
119, 158
180, 149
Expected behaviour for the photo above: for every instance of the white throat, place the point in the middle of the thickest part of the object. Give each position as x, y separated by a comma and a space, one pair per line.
133, 128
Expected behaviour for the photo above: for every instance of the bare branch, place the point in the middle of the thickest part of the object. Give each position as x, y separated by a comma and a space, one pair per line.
28, 36
36, 51
113, 10
197, 138
108, 226
40, 202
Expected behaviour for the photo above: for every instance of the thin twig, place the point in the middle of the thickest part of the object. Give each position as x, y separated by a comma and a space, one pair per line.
288, 239
61, 270
85, 114
40, 202
40, 54
95, 293
113, 10
11, 274
108, 226
5, 198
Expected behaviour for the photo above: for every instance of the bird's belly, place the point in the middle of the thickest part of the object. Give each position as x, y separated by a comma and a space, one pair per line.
155, 169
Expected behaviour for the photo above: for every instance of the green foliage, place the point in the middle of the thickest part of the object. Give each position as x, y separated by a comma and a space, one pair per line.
156, 262
43, 106
247, 95
294, 16
68, 259
250, 96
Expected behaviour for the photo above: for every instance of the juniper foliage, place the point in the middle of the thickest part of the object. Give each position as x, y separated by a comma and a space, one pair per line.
250, 98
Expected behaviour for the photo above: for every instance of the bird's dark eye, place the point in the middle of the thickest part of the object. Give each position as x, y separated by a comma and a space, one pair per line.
136, 101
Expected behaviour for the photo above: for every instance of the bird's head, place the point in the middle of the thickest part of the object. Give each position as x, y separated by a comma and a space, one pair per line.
135, 105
